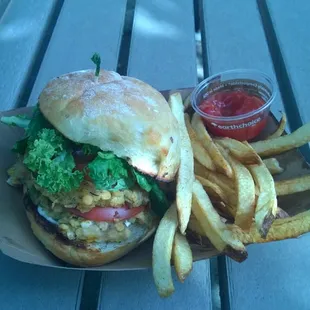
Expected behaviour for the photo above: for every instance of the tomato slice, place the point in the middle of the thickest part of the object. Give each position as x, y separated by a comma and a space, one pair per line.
109, 214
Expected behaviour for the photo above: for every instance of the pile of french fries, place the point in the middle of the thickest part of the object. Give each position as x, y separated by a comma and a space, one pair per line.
226, 195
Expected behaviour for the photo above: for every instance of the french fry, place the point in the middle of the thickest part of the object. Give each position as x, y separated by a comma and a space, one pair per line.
223, 181
282, 228
239, 150
226, 211
182, 256
199, 151
171, 163
273, 165
266, 206
281, 214
252, 236
282, 144
186, 175
292, 186
280, 129
245, 190
213, 227
218, 159
162, 252
213, 189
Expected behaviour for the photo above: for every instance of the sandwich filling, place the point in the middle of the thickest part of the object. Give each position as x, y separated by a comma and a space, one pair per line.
88, 194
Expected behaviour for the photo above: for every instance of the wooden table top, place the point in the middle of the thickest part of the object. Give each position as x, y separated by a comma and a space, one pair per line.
170, 44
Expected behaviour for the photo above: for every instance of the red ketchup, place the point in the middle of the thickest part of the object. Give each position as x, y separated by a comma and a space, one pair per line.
223, 105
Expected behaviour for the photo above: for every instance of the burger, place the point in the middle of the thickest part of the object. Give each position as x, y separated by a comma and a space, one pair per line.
97, 152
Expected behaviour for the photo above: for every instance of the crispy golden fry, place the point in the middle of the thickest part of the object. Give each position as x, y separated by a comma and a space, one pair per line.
283, 228
226, 211
245, 189
186, 175
281, 144
199, 151
280, 129
251, 236
223, 181
195, 226
162, 251
213, 227
182, 256
281, 214
213, 189
239, 150
292, 186
273, 165
266, 206
218, 159
170, 165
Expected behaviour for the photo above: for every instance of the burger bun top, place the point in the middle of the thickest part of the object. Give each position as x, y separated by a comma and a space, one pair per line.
116, 113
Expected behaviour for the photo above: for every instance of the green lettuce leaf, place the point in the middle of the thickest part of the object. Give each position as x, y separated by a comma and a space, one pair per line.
16, 120
58, 177
20, 146
159, 201
90, 149
52, 162
32, 127
38, 122
110, 172
144, 182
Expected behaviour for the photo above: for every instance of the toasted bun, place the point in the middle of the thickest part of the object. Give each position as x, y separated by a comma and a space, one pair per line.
92, 254
115, 113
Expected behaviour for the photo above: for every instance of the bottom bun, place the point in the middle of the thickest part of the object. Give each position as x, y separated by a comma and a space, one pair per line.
87, 254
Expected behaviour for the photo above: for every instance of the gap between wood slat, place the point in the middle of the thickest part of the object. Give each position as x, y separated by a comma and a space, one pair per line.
123, 58
3, 6
79, 292
39, 55
224, 284
90, 297
285, 86
90, 292
203, 72
204, 53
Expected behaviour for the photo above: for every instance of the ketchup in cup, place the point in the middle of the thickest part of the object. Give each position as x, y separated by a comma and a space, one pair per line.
235, 103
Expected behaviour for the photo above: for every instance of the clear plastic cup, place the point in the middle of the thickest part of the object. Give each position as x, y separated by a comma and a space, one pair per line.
255, 92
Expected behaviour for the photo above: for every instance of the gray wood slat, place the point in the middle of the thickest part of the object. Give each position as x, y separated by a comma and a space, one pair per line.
162, 53
27, 287
22, 27
275, 275
162, 50
82, 29
290, 24
23, 286
140, 291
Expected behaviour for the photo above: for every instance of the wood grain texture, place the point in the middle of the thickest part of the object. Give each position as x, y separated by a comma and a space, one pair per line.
27, 287
290, 25
81, 30
275, 275
163, 44
141, 292
23, 286
22, 28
